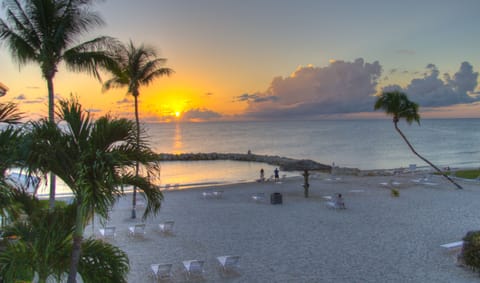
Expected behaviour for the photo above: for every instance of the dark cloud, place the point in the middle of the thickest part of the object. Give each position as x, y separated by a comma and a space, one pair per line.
20, 97
341, 87
200, 114
431, 91
255, 98
124, 101
93, 110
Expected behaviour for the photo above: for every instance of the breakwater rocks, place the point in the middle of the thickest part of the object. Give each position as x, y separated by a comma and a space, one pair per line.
284, 163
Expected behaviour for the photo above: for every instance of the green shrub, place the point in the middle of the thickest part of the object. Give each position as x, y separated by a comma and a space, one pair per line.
395, 192
471, 250
468, 174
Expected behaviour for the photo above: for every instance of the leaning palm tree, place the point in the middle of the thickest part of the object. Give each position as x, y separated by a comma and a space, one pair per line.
94, 159
399, 106
43, 245
135, 67
45, 32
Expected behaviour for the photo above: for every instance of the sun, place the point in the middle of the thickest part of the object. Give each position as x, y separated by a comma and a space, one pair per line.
177, 114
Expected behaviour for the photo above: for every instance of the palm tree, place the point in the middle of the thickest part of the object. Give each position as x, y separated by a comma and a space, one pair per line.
399, 106
45, 32
44, 243
135, 67
93, 158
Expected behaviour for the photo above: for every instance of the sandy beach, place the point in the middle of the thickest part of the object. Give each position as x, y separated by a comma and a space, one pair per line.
378, 238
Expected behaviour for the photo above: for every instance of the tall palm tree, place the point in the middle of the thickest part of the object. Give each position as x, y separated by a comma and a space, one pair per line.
45, 32
44, 244
93, 158
135, 67
399, 106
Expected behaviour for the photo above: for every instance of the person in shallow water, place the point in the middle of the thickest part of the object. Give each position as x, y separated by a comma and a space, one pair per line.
277, 177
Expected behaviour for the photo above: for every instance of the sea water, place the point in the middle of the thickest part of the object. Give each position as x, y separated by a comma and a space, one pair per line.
363, 144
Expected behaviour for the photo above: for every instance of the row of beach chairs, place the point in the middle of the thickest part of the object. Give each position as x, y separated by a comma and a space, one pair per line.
109, 232
193, 268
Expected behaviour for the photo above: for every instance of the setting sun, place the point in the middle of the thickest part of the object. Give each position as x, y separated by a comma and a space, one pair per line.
177, 114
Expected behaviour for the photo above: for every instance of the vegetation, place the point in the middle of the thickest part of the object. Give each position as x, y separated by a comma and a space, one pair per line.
135, 67
44, 32
399, 106
43, 244
468, 174
395, 192
471, 250
93, 158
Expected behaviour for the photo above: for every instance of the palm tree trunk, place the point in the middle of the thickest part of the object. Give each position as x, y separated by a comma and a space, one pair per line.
51, 118
424, 159
137, 122
77, 243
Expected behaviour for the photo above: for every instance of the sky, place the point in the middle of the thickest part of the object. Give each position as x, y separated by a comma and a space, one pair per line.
277, 59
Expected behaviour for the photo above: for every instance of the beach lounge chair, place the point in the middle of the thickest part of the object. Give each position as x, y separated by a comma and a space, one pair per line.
453, 245
228, 262
166, 227
108, 232
161, 271
193, 268
217, 194
207, 195
259, 197
334, 205
137, 230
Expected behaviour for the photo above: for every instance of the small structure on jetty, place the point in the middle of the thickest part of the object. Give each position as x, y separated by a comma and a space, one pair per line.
285, 163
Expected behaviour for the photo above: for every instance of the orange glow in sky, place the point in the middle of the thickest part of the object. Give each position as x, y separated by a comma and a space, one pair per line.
226, 68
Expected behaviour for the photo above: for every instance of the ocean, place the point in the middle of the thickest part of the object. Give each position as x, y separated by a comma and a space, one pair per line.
363, 144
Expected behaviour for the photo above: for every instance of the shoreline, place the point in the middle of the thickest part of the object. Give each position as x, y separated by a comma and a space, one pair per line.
338, 171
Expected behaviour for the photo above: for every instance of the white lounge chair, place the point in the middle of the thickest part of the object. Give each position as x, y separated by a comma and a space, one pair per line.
108, 232
453, 245
228, 262
161, 271
207, 195
137, 230
217, 194
259, 197
336, 205
193, 268
166, 227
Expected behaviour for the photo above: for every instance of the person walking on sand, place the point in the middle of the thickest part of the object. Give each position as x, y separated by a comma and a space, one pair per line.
262, 175
277, 178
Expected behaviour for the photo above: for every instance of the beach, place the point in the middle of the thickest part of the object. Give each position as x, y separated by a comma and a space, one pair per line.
377, 238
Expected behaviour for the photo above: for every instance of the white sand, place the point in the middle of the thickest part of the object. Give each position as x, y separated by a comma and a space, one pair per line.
378, 238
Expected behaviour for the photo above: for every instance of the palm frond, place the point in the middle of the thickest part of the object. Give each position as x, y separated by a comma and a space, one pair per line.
103, 262
9, 113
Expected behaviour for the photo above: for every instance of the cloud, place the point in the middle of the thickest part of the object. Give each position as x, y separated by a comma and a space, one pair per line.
20, 97
340, 87
208, 93
257, 97
24, 100
93, 110
200, 114
124, 101
431, 91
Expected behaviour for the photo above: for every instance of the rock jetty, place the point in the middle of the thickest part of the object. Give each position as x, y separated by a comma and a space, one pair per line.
285, 163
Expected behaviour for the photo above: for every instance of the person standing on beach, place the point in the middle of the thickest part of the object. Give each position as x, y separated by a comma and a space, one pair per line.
262, 175
276, 175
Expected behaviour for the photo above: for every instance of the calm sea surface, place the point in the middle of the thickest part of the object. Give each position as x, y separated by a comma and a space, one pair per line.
364, 144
